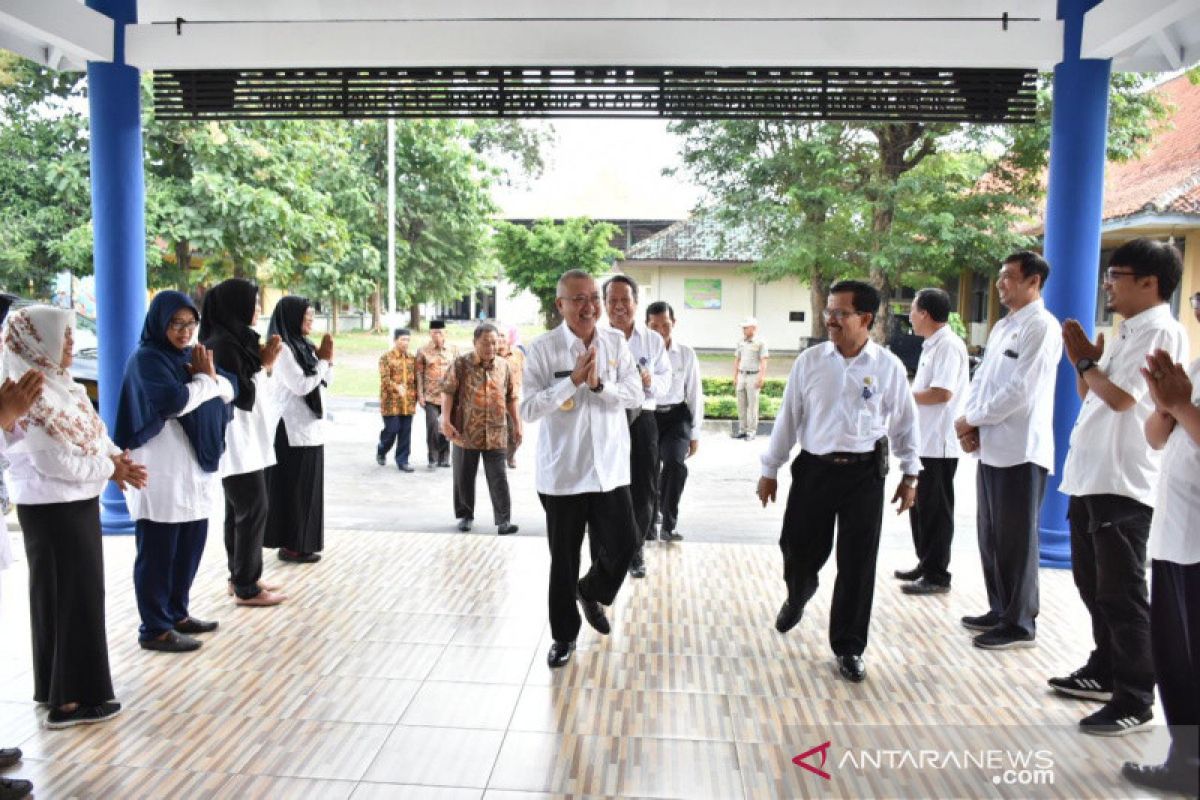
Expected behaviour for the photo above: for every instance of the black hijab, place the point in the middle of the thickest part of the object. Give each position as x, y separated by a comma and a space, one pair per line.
6, 301
229, 309
286, 322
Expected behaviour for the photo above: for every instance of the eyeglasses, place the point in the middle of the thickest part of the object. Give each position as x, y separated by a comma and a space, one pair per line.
182, 326
1111, 274
838, 314
583, 299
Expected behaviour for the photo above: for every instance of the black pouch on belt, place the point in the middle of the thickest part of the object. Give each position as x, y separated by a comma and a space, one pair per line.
881, 457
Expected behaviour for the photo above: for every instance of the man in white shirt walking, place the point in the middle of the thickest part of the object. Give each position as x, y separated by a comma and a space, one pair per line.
938, 389
1008, 422
844, 400
679, 417
654, 372
1109, 476
579, 379
1174, 548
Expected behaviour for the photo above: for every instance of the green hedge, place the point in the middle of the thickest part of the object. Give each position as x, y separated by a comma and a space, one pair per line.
723, 387
725, 406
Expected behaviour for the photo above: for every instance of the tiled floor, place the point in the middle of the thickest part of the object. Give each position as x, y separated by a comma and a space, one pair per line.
410, 665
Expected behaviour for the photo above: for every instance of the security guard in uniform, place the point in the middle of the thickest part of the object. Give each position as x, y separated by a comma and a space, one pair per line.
749, 371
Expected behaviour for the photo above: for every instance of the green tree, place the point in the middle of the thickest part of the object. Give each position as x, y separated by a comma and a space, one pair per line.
534, 258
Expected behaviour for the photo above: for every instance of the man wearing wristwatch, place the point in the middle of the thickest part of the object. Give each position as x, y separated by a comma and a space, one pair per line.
843, 402
1110, 476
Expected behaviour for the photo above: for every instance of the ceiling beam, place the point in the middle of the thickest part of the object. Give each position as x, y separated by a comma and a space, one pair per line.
1170, 48
72, 32
594, 43
1117, 26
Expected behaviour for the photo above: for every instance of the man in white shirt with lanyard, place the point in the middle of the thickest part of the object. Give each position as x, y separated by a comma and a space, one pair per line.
679, 417
1008, 423
938, 388
1110, 475
578, 381
654, 371
844, 400
1174, 548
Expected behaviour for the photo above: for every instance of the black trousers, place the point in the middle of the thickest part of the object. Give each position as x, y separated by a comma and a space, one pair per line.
932, 518
674, 440
66, 602
643, 471
1175, 639
608, 519
495, 469
1009, 499
437, 444
245, 524
397, 429
168, 555
1108, 561
822, 495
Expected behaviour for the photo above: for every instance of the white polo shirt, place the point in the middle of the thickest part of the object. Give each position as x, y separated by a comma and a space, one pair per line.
943, 365
836, 405
1011, 399
1109, 454
1175, 527
583, 442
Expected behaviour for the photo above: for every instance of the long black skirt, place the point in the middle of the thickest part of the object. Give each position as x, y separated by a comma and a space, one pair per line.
296, 488
66, 602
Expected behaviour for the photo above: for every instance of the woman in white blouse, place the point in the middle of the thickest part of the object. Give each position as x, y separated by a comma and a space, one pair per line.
172, 414
296, 512
60, 463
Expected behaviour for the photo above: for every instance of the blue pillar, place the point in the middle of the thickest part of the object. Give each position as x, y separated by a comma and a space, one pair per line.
119, 225
1074, 205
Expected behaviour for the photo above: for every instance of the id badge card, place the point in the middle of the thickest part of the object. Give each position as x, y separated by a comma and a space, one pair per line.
864, 424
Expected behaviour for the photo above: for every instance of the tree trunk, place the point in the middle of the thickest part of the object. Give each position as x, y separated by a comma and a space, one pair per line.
183, 262
818, 289
414, 317
550, 316
376, 310
333, 317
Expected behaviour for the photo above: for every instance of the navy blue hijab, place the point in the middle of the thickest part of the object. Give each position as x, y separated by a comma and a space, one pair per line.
155, 388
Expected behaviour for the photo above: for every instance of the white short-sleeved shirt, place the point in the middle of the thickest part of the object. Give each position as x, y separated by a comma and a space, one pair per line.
943, 365
1175, 528
1109, 454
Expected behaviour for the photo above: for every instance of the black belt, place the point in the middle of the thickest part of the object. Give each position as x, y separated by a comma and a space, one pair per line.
748, 371
840, 458
667, 409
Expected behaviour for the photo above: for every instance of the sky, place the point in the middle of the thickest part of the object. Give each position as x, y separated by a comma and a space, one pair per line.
605, 169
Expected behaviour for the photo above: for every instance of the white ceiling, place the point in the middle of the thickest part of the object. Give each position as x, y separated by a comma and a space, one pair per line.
1143, 35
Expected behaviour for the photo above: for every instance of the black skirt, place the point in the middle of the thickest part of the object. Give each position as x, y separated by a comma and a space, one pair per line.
66, 602
296, 488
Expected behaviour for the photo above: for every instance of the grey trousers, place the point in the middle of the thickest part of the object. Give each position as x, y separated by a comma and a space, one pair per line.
747, 400
495, 469
437, 444
1009, 499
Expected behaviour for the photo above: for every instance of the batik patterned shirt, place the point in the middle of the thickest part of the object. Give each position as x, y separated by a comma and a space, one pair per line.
483, 392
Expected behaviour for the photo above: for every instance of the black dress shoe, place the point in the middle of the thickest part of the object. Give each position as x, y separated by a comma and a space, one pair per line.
405, 467
173, 643
560, 654
9, 756
505, 530
15, 789
298, 558
984, 622
788, 616
593, 612
852, 668
464, 524
923, 585
672, 536
191, 625
637, 567
908, 574
380, 458
443, 463
1162, 777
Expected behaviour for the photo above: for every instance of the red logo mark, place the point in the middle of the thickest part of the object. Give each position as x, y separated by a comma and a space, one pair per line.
823, 749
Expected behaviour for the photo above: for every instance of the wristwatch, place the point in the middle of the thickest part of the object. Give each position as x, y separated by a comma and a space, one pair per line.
599, 387
1083, 365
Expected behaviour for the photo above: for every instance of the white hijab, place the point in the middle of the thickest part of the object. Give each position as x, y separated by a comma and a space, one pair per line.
63, 417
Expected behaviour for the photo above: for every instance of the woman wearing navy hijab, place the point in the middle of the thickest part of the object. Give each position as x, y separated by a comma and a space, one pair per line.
172, 414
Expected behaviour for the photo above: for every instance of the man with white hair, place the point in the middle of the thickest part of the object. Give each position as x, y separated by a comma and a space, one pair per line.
749, 371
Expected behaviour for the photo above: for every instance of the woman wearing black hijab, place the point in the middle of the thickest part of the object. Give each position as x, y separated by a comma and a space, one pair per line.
171, 415
296, 514
230, 309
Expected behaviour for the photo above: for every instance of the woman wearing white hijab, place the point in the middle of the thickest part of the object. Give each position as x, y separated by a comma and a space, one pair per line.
60, 462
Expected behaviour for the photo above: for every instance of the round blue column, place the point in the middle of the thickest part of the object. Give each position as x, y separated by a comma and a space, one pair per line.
119, 226
1074, 208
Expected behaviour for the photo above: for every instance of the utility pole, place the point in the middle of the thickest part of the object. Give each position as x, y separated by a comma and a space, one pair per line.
391, 222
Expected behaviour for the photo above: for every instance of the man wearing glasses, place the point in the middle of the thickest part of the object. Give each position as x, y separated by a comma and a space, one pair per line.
844, 400
1008, 423
1110, 476
579, 379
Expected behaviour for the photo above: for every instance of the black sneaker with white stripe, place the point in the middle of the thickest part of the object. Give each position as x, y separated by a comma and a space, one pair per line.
1116, 720
1084, 684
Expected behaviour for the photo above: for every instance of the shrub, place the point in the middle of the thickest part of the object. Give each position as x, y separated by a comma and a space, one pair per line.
720, 387
725, 407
